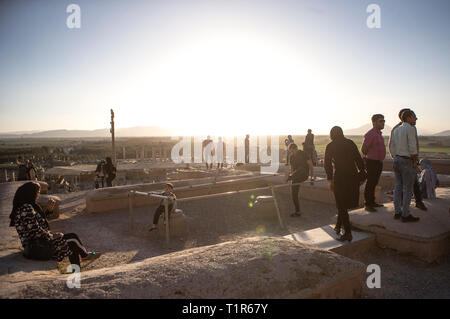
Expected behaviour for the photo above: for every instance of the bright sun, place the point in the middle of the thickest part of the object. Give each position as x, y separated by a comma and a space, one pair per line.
229, 85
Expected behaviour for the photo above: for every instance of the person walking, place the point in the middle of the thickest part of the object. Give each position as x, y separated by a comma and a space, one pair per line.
344, 180
301, 167
403, 149
416, 187
374, 152
110, 171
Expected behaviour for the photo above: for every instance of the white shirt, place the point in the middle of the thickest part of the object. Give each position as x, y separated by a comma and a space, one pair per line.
404, 141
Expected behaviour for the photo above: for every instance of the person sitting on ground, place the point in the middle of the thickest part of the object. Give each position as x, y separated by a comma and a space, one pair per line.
161, 208
428, 179
38, 241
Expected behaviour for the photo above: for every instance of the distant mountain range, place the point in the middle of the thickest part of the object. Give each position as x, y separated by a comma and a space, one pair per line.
387, 130
144, 131
136, 131
363, 130
443, 133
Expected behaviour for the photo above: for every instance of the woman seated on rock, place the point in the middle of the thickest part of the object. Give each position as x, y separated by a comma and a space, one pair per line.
32, 226
428, 180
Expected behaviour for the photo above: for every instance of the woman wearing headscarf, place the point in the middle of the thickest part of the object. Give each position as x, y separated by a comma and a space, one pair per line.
110, 171
428, 180
344, 180
34, 231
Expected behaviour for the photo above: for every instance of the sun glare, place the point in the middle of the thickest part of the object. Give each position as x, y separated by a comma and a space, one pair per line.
228, 85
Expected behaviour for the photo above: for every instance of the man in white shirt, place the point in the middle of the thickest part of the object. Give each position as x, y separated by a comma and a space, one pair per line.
416, 188
403, 149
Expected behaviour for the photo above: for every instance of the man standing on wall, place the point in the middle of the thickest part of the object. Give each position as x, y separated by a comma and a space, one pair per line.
374, 152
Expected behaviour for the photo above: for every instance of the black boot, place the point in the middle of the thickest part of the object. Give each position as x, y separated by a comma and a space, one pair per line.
347, 227
347, 236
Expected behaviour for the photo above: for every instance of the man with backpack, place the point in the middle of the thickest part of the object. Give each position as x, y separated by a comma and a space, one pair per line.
301, 168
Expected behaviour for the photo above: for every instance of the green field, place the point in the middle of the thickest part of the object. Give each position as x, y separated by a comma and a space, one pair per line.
91, 149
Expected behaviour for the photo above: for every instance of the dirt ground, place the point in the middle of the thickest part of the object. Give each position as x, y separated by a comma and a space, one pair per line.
210, 222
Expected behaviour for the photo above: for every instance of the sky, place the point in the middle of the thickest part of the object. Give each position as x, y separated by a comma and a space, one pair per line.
223, 67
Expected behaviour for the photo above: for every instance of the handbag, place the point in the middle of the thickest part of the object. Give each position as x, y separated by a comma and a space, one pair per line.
39, 249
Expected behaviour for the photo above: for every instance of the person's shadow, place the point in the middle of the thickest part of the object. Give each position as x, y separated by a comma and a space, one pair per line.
16, 262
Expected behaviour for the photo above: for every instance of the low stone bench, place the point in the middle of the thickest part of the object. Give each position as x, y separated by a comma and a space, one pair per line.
114, 198
320, 192
177, 224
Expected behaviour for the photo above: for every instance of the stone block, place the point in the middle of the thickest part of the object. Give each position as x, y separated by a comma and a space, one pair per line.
43, 202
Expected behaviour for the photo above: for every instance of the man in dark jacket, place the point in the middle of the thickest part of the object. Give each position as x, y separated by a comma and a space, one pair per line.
301, 167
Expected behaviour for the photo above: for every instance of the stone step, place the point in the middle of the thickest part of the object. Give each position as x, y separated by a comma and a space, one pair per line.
325, 238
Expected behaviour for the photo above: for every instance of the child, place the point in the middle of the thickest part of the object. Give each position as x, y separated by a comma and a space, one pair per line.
161, 209
428, 179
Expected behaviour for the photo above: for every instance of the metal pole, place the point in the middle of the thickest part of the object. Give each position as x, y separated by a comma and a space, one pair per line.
113, 138
131, 196
166, 212
277, 208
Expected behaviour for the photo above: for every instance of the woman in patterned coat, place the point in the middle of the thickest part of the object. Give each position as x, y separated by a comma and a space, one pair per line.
34, 232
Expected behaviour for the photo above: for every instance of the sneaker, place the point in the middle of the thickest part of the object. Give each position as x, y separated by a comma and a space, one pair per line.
377, 205
296, 214
370, 209
397, 216
421, 205
410, 218
152, 228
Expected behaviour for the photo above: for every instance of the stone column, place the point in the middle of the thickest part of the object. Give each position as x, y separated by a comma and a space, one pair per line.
123, 150
142, 154
153, 154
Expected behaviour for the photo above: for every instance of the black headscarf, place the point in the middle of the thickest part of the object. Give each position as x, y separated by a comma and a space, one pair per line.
336, 133
25, 194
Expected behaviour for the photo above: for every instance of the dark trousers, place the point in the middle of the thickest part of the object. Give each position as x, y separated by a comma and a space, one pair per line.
294, 190
374, 169
416, 191
109, 181
77, 248
343, 220
160, 210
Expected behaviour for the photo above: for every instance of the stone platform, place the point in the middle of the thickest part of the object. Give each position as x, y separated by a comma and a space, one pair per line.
325, 238
427, 239
252, 268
